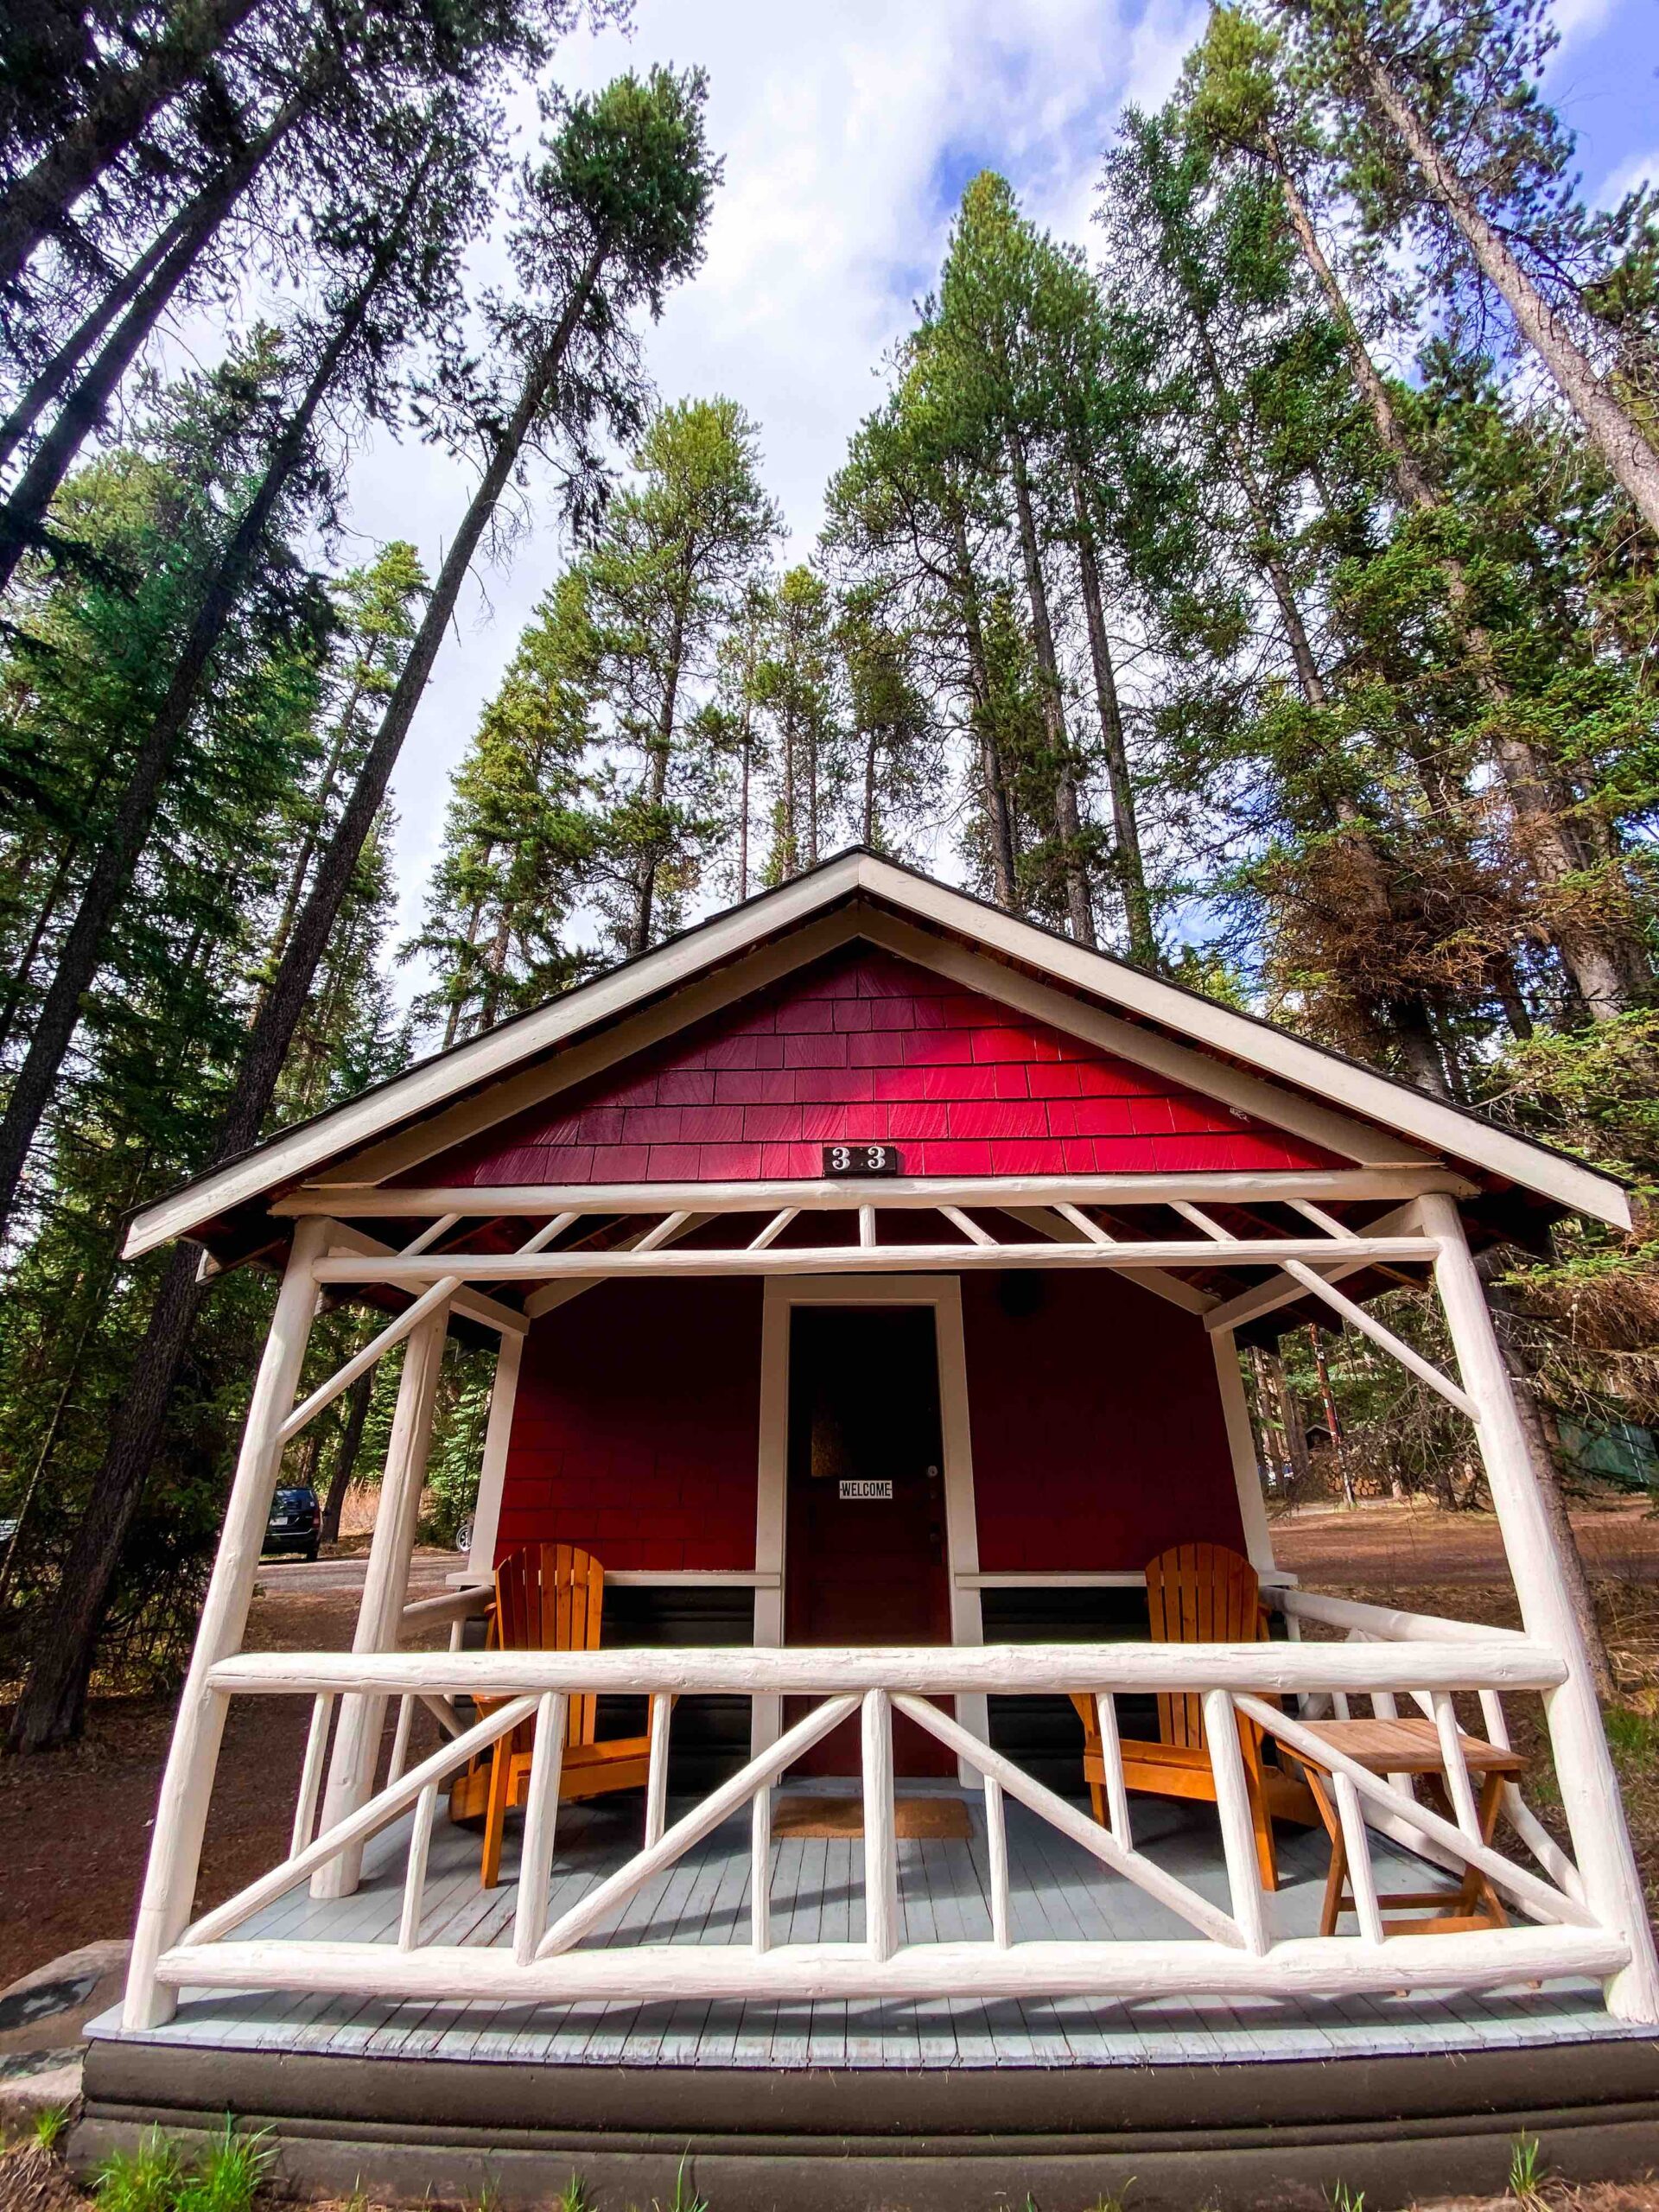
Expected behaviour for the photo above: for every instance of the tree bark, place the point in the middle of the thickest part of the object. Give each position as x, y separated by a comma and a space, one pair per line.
661, 753
1126, 831
111, 874
1079, 907
52, 1700
350, 1443
23, 516
1610, 426
38, 204
1004, 860
54, 375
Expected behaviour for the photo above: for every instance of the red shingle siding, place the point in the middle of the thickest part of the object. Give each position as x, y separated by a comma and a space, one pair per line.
636, 1429
1098, 1439
862, 1047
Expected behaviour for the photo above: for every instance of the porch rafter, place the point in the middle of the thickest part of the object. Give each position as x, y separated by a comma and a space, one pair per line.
367, 1201
838, 1259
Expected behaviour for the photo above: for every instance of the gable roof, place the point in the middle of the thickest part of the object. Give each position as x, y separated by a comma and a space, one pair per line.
1264, 1070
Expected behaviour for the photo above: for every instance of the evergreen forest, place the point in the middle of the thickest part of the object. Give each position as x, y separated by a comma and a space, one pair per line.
1263, 588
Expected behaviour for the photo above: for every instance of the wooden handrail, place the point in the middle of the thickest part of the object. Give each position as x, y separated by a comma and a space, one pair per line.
1497, 1662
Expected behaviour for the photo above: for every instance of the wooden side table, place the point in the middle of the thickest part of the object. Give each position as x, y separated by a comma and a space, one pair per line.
1409, 1746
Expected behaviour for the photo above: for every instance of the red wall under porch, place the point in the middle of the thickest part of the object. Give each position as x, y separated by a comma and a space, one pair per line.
1096, 1424
636, 1430
1099, 1438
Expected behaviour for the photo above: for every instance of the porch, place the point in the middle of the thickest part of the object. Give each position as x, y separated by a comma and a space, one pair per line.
1056, 1895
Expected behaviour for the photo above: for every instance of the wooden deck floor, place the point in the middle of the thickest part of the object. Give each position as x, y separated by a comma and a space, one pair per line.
1057, 1891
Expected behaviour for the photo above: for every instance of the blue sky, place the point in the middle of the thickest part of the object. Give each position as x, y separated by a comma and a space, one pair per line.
849, 131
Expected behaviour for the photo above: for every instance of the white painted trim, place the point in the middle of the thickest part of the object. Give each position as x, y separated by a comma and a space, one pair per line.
689, 1577
370, 1201
943, 1294
1395, 1112
1488, 1958
1284, 1290
493, 1473
497, 1058
549, 1298
386, 1590
1482, 1660
1066, 1226
476, 1305
1584, 1770
193, 1755
852, 1258
1111, 1578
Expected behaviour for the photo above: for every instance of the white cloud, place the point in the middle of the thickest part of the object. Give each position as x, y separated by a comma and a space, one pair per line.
1637, 170
846, 134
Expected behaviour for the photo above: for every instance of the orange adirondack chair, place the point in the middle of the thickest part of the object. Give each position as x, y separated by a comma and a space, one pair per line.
548, 1598
1199, 1593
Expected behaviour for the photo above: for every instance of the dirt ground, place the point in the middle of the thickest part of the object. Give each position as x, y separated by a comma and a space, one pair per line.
75, 1825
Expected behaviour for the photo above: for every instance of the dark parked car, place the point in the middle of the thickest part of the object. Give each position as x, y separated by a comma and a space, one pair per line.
295, 1521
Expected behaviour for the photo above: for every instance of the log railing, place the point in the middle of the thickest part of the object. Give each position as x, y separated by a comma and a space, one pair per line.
1238, 1947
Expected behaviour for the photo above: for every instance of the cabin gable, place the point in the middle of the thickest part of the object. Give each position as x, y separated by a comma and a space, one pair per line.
858, 1047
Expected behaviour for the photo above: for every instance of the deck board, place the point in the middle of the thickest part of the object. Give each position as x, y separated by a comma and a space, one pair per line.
1055, 1890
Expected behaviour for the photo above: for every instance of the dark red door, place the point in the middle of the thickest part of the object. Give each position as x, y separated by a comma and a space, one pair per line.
866, 1543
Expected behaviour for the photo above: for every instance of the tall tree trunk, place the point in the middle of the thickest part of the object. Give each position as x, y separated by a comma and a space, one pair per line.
23, 516
1607, 976
1269, 553
50, 1708
48, 1442
17, 987
661, 752
51, 378
1611, 427
345, 1466
867, 831
1328, 1400
1126, 831
745, 773
38, 205
107, 886
1290, 1416
1005, 877
812, 792
790, 855
1079, 907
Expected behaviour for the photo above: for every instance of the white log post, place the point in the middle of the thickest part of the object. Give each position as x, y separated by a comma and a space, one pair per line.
541, 1823
385, 1585
1237, 1835
493, 1474
880, 1840
1240, 1448
187, 1785
761, 1869
996, 1844
1584, 1769
657, 1771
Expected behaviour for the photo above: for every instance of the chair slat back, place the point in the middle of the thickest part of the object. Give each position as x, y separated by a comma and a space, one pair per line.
551, 1598
1199, 1594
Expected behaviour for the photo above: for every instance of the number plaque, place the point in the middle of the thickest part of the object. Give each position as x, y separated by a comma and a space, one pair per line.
861, 1160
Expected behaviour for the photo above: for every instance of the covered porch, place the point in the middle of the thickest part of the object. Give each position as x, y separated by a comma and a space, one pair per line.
1042, 1902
